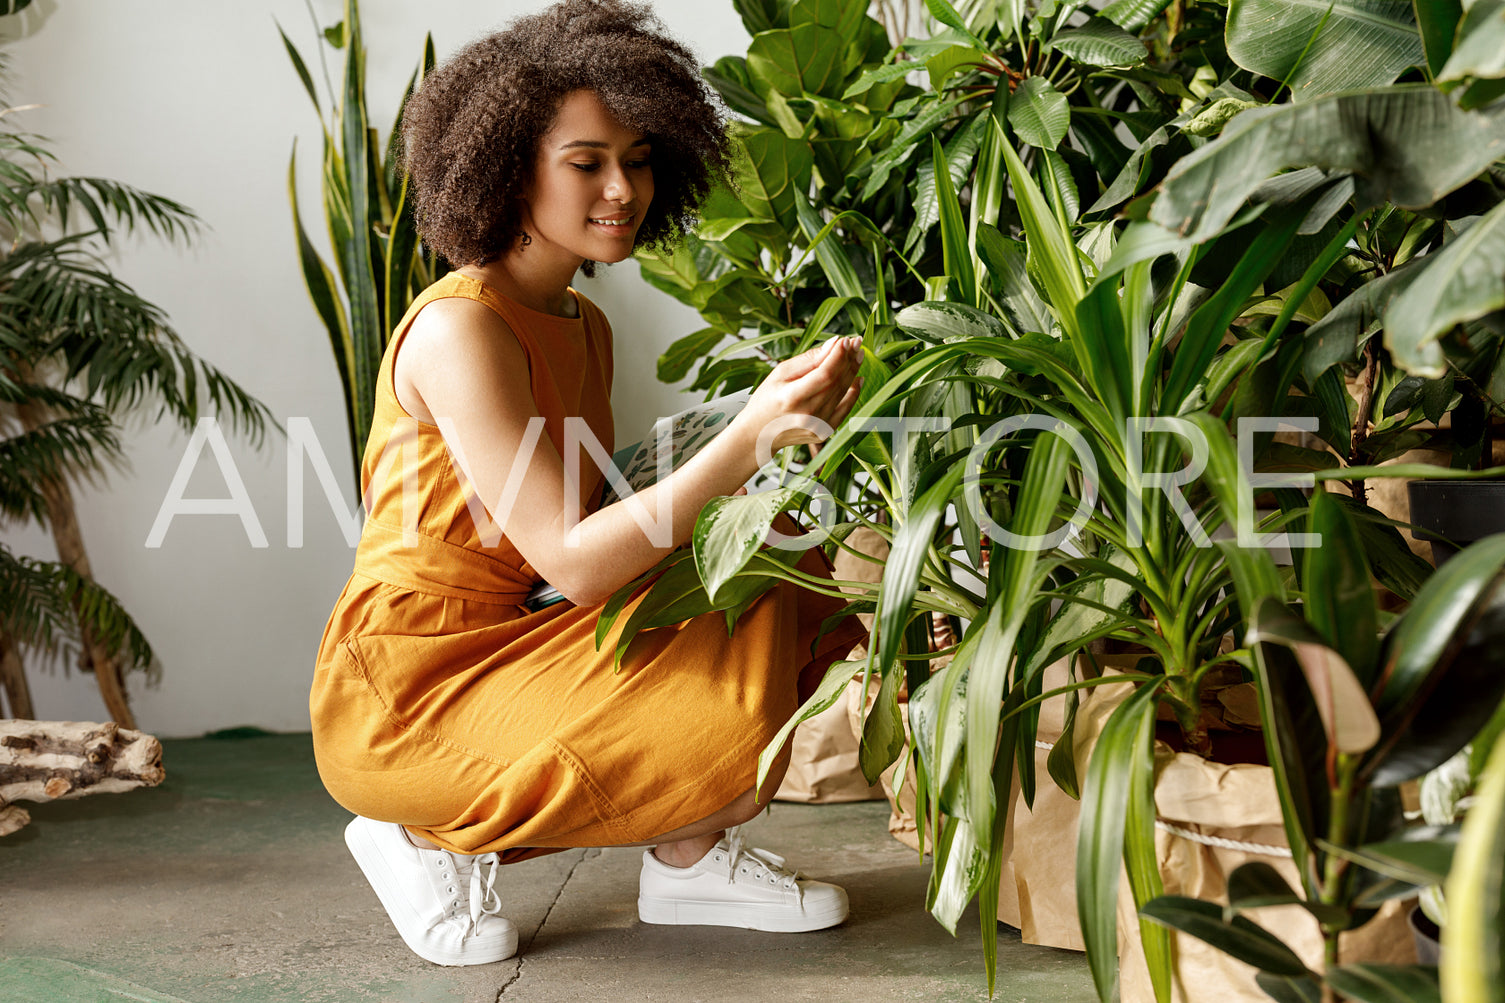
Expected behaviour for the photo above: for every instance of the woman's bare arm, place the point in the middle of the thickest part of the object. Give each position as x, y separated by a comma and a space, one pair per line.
462, 369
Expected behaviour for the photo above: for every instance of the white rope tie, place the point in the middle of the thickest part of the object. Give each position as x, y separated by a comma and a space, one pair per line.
1258, 849
1242, 846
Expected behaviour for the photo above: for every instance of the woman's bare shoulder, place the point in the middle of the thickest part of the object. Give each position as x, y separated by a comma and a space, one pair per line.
457, 347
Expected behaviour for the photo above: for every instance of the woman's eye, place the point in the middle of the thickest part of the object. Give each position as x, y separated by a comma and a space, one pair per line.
639, 164
584, 167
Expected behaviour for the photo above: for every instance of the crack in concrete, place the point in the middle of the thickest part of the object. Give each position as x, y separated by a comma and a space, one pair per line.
522, 948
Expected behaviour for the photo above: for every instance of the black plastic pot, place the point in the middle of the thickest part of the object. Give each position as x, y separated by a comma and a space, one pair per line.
1426, 936
1453, 514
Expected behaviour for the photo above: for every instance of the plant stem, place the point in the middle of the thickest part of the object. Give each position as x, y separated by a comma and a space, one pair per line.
1361, 419
1335, 867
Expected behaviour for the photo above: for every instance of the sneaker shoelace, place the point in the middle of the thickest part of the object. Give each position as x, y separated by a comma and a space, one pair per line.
484, 900
764, 865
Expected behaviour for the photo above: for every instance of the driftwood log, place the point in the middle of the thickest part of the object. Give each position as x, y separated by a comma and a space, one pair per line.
52, 760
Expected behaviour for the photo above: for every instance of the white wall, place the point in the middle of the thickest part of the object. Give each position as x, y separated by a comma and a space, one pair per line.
196, 99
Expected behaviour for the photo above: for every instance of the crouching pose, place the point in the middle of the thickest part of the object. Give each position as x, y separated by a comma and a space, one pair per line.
462, 728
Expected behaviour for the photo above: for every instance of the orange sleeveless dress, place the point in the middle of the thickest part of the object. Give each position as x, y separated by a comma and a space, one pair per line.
441, 703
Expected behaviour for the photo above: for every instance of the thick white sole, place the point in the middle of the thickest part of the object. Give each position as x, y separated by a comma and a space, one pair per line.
745, 915
478, 950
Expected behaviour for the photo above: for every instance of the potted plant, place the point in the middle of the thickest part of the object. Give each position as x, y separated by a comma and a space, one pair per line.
1350, 712
1093, 327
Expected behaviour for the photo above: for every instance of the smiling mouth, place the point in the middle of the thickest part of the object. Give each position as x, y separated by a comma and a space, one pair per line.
626, 221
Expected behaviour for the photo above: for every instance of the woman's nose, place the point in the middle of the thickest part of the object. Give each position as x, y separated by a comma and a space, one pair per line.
619, 187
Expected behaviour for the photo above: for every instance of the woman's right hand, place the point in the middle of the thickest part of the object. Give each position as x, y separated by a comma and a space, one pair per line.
806, 397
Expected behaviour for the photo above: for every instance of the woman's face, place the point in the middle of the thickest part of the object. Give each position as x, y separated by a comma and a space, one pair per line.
592, 184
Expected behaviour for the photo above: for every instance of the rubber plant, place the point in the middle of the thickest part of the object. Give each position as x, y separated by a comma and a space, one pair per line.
1350, 712
80, 351
380, 262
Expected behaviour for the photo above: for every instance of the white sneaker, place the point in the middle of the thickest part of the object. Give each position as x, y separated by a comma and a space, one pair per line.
737, 886
442, 907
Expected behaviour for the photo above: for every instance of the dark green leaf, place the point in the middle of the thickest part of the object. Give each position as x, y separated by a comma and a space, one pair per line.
1322, 46
1339, 597
1100, 42
1239, 937
1386, 983
1406, 144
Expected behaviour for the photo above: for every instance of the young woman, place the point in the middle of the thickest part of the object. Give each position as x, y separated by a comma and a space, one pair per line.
461, 728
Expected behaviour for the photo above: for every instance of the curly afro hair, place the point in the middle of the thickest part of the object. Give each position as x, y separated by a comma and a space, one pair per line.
470, 132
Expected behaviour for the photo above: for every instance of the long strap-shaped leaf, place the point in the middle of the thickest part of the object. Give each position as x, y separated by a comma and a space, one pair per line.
1473, 943
367, 335
1044, 479
956, 249
1121, 758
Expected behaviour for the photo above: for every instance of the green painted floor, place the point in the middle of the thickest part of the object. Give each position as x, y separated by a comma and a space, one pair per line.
231, 882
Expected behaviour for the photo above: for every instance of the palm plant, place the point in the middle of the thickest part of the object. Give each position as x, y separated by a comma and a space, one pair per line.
78, 350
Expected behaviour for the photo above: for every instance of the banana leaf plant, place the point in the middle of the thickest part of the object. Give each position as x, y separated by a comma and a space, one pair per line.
380, 262
1351, 710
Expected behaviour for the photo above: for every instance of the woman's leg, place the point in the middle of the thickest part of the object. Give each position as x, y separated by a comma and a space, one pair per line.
686, 845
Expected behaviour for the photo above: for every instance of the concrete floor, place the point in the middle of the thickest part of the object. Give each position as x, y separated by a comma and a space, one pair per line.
231, 882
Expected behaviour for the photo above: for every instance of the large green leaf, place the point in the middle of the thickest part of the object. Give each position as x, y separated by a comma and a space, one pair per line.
1463, 281
1479, 51
1052, 254
1294, 739
882, 729
1117, 764
1473, 943
1447, 603
1407, 144
367, 334
1348, 721
1012, 288
1454, 700
1100, 42
1256, 885
1420, 856
1039, 114
1339, 597
730, 530
1323, 46
805, 58
940, 321
1133, 15
1437, 20
1238, 937
772, 171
